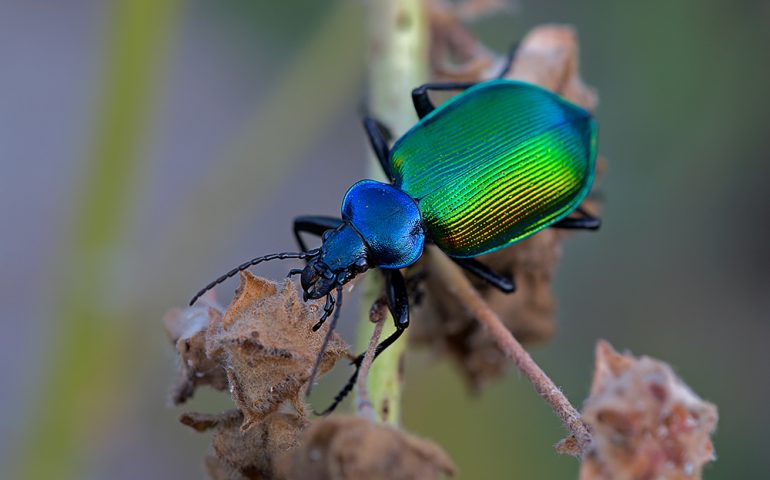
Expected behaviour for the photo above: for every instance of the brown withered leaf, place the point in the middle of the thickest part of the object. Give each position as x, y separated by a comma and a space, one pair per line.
645, 421
251, 454
268, 349
186, 328
547, 56
352, 448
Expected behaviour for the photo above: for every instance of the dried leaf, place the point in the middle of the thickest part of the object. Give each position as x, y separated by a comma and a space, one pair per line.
352, 448
186, 328
646, 422
267, 346
548, 56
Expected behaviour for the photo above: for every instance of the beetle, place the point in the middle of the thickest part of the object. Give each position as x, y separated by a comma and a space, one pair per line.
489, 167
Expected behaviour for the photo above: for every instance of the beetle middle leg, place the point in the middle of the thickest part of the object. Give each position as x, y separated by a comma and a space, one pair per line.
379, 137
421, 101
585, 221
501, 282
424, 106
314, 225
398, 304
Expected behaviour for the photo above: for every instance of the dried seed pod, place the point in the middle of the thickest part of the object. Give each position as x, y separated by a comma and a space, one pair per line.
547, 56
646, 422
268, 349
352, 448
251, 454
186, 328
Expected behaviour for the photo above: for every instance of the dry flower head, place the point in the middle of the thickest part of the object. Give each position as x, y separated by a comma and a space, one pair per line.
186, 329
353, 448
265, 342
251, 454
646, 423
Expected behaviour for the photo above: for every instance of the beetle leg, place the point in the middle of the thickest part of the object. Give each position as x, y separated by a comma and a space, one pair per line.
328, 309
421, 101
585, 221
509, 58
424, 106
379, 136
398, 304
501, 282
314, 225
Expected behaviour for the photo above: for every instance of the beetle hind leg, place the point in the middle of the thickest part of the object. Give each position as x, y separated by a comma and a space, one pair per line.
500, 282
585, 221
509, 58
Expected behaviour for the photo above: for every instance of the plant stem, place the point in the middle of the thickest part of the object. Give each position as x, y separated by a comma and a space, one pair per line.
459, 285
397, 60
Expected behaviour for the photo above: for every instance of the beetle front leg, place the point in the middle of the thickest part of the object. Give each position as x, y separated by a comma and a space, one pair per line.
398, 304
314, 225
586, 221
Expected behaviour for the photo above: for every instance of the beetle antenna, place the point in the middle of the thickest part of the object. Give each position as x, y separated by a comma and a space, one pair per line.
251, 263
327, 338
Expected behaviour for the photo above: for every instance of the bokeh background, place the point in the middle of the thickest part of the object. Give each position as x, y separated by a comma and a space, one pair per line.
147, 145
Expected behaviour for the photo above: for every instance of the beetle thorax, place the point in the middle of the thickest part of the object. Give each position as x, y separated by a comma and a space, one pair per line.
342, 256
389, 222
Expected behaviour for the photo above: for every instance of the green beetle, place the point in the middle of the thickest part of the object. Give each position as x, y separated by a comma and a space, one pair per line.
489, 167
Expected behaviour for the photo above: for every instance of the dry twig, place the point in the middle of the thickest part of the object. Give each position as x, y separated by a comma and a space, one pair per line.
459, 286
377, 314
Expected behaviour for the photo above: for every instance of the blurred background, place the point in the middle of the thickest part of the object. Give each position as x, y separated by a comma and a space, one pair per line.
148, 145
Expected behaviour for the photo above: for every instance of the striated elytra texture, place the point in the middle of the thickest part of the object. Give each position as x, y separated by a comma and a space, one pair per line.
496, 164
549, 57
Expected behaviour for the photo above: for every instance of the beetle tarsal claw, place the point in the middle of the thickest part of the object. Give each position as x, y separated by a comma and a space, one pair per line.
328, 309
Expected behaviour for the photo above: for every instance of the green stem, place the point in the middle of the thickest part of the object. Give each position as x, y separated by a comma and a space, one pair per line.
397, 62
82, 388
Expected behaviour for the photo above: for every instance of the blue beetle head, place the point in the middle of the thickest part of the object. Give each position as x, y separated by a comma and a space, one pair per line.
382, 227
342, 256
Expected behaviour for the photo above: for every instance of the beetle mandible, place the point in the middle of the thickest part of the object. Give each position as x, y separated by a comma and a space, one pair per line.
491, 166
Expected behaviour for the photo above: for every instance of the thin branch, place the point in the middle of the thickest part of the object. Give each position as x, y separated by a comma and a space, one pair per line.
377, 315
459, 285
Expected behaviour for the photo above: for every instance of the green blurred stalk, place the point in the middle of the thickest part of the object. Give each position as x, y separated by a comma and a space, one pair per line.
82, 386
397, 62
